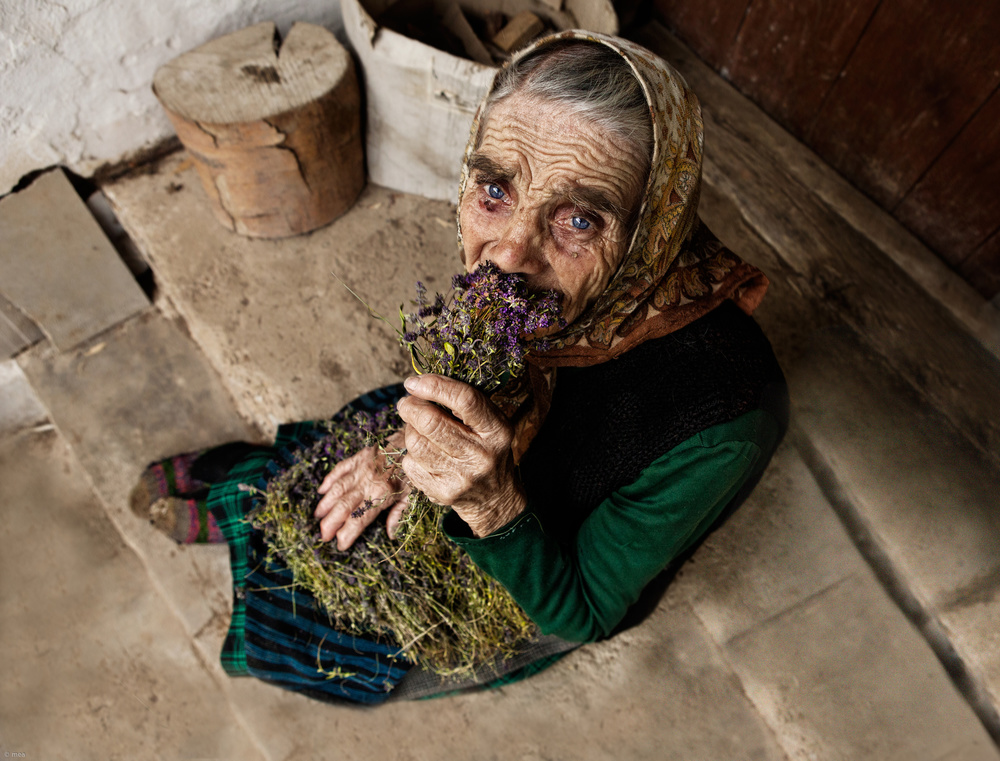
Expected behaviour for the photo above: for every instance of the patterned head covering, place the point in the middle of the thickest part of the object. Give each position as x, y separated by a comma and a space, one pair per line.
674, 270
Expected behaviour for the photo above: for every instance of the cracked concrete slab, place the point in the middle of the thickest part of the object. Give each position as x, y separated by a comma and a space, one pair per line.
659, 692
831, 663
143, 392
59, 267
834, 681
95, 665
290, 341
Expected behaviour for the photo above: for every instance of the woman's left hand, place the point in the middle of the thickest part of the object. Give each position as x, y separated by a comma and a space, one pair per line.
364, 477
462, 459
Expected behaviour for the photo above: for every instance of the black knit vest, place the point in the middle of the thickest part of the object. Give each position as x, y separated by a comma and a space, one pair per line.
608, 422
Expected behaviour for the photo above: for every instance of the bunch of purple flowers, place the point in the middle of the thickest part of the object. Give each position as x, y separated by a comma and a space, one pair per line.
482, 333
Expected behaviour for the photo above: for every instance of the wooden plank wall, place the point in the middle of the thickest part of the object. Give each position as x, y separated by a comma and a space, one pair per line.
900, 96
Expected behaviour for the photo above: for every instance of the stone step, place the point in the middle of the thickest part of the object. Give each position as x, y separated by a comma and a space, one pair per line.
141, 393
826, 657
96, 662
58, 267
746, 657
20, 408
271, 317
922, 502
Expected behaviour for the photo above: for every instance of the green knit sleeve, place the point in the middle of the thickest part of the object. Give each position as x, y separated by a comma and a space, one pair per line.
581, 592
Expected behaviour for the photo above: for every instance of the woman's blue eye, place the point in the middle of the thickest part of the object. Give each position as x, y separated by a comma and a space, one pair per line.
580, 223
495, 191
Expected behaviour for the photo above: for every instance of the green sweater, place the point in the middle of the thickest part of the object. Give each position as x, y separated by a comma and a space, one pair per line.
581, 590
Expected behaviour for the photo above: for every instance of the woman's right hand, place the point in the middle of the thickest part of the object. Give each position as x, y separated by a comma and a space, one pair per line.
350, 485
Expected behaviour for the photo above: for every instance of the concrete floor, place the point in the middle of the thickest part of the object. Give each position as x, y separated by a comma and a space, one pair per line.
848, 611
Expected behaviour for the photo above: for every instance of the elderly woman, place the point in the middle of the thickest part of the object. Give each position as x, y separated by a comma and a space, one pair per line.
649, 417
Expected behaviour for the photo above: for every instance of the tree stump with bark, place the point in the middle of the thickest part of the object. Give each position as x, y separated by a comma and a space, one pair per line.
273, 128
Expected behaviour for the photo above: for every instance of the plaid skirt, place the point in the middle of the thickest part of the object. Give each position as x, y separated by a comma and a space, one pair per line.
280, 634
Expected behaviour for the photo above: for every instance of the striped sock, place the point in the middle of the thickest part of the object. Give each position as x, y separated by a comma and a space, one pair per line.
170, 477
186, 521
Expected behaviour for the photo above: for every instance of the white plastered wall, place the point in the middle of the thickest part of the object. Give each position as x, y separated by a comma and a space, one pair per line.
75, 76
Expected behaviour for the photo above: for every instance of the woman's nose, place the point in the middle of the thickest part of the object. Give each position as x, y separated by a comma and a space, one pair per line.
520, 247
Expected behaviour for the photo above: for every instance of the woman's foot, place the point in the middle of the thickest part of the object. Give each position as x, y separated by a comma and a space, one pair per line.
171, 477
186, 521
171, 493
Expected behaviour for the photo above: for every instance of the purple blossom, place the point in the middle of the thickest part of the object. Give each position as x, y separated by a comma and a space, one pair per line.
481, 333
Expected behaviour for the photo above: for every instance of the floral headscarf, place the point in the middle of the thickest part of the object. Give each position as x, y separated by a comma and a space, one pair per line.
674, 271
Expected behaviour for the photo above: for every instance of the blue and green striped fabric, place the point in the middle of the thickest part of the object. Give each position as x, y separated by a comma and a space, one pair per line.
278, 633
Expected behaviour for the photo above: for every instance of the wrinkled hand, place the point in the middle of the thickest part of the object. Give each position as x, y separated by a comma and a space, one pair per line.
462, 459
363, 476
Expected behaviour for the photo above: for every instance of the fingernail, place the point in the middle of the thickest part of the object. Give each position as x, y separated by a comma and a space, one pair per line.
412, 383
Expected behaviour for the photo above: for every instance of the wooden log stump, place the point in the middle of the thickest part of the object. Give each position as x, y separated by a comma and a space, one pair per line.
274, 128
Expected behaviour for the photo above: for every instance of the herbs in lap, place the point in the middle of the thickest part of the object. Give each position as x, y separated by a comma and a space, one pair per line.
420, 590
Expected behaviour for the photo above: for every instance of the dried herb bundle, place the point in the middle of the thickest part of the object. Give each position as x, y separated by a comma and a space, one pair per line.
420, 590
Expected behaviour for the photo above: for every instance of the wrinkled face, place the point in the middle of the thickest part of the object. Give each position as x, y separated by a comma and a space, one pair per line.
549, 196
